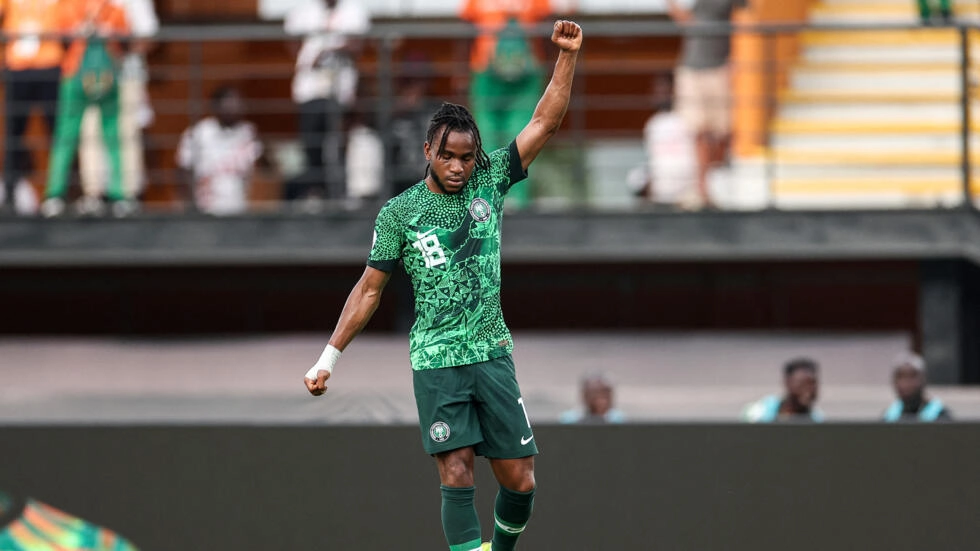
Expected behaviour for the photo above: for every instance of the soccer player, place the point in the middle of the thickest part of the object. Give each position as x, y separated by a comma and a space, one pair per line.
445, 230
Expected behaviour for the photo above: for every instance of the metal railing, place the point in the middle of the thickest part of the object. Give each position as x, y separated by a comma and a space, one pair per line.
601, 146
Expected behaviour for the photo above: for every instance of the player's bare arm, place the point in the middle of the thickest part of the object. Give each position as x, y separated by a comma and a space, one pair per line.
552, 106
360, 306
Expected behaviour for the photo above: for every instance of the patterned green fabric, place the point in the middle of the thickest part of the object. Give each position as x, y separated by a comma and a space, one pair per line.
449, 245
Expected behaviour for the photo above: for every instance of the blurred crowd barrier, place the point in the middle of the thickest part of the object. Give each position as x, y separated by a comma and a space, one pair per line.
826, 111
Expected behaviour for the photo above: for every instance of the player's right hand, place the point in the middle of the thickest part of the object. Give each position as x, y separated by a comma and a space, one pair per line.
319, 386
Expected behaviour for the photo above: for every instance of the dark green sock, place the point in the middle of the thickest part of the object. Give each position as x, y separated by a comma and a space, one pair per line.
459, 520
510, 515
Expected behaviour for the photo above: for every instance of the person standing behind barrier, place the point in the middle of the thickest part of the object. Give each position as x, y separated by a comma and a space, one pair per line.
669, 173
506, 71
31, 72
89, 77
597, 402
799, 399
926, 8
412, 110
704, 84
217, 156
909, 381
135, 114
325, 87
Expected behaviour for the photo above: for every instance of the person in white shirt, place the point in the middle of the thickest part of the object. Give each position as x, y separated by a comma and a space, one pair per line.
671, 156
135, 114
324, 87
217, 156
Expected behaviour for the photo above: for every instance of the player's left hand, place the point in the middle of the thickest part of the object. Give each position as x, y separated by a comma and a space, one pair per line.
567, 35
319, 386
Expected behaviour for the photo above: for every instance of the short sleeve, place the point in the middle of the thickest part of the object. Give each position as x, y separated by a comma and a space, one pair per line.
540, 9
386, 248
357, 22
115, 18
468, 11
301, 20
142, 17
508, 167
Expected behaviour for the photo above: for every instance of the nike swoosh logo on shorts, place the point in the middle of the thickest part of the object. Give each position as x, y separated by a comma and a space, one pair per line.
525, 441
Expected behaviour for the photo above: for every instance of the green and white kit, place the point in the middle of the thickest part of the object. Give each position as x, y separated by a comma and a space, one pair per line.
449, 244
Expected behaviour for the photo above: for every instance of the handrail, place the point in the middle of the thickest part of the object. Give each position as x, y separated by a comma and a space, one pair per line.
459, 29
385, 34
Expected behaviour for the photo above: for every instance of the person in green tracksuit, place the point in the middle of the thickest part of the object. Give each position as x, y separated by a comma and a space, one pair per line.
926, 7
507, 74
88, 78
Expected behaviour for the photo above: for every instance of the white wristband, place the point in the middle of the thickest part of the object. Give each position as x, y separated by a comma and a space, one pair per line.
326, 362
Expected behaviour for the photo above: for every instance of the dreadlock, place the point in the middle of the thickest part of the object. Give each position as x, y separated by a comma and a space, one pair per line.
456, 118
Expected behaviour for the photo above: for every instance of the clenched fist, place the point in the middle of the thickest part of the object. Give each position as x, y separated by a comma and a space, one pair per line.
567, 35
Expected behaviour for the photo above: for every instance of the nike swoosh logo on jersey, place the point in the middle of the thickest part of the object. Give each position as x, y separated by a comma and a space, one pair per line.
524, 441
420, 236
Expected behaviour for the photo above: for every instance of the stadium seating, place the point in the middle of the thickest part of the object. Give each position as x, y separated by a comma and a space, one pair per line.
872, 118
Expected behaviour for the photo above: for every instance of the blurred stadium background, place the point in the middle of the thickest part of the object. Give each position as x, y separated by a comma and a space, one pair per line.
846, 230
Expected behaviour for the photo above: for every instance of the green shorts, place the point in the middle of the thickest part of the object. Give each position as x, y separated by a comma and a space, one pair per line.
477, 405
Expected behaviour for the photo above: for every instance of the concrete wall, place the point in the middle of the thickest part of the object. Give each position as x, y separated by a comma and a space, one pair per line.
670, 487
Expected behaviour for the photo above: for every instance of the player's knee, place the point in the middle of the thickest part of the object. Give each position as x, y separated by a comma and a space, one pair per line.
526, 482
455, 470
457, 476
524, 485
520, 480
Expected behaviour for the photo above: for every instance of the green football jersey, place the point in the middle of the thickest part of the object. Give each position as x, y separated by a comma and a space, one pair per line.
449, 245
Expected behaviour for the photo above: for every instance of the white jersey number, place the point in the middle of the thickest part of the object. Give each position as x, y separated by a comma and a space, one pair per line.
432, 252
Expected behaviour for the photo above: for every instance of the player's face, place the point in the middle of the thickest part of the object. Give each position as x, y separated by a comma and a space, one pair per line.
909, 383
450, 168
802, 386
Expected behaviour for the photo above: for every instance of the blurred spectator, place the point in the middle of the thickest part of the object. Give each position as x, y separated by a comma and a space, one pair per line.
365, 158
135, 114
909, 380
799, 398
597, 403
29, 525
325, 87
217, 156
704, 84
926, 8
506, 72
89, 77
669, 175
32, 70
411, 113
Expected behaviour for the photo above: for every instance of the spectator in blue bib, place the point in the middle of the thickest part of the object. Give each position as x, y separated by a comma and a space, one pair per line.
597, 403
912, 403
798, 402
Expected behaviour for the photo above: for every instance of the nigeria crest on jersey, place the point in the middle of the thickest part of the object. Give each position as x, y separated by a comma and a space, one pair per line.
480, 209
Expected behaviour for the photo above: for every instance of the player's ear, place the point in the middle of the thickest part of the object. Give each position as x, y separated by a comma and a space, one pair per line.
426, 149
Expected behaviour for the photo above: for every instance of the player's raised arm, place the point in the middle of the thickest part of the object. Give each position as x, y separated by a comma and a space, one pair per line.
551, 107
358, 309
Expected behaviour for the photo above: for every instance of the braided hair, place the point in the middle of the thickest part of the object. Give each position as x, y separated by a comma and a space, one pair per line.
456, 118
